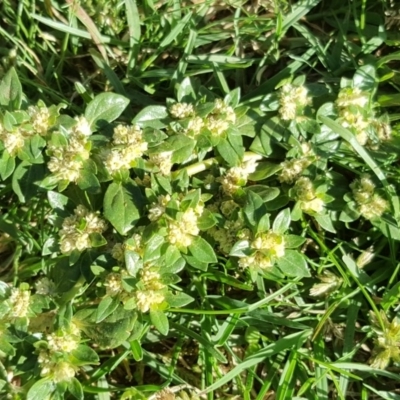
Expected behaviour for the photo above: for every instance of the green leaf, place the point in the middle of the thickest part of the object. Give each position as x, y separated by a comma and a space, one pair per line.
121, 205
137, 351
228, 153
365, 78
326, 222
26, 179
293, 241
196, 263
41, 390
75, 388
241, 249
106, 307
57, 201
160, 321
293, 264
152, 117
133, 262
6, 348
105, 107
202, 250
181, 146
84, 355
178, 300
7, 165
32, 150
254, 208
282, 221
11, 90
153, 248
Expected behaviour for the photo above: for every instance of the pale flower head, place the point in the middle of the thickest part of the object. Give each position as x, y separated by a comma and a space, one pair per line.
45, 287
163, 161
113, 284
19, 303
329, 283
148, 299
82, 126
352, 97
39, 119
13, 141
292, 100
181, 110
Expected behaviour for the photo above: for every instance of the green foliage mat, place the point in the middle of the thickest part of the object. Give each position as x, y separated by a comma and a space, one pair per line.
192, 225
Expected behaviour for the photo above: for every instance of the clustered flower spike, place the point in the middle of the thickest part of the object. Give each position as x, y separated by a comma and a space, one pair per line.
54, 359
37, 123
220, 119
355, 115
236, 177
67, 161
305, 193
128, 146
329, 283
370, 204
152, 293
182, 231
387, 341
267, 248
76, 230
292, 100
19, 301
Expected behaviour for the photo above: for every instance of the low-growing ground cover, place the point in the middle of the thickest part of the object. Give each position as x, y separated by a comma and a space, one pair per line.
199, 200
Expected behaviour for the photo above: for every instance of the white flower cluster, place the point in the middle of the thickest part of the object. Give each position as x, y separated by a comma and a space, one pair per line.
182, 231
53, 361
113, 284
329, 283
76, 230
236, 177
220, 119
19, 303
128, 145
292, 100
305, 193
227, 236
268, 247
58, 371
181, 110
40, 119
354, 115
156, 210
45, 287
292, 169
66, 162
163, 161
152, 293
370, 204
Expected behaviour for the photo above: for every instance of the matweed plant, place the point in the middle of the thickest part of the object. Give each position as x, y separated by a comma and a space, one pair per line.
140, 208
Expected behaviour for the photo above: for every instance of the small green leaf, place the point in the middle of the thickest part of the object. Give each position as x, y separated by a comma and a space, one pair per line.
106, 307
105, 107
137, 351
121, 205
254, 208
7, 165
178, 300
75, 388
202, 250
11, 90
160, 321
84, 355
293, 264
241, 249
152, 117
41, 390
282, 221
26, 179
